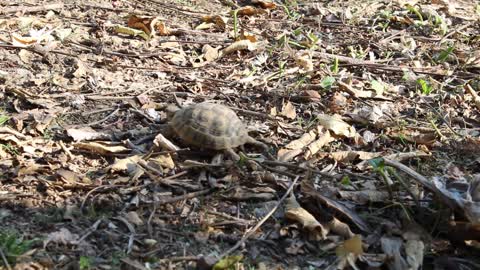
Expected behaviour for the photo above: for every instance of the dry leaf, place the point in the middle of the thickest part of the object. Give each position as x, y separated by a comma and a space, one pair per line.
324, 137
86, 134
249, 11
265, 5
133, 218
295, 212
63, 237
239, 46
349, 251
303, 59
288, 110
303, 141
126, 165
287, 154
161, 141
349, 156
210, 53
165, 161
140, 23
102, 148
335, 124
414, 251
217, 20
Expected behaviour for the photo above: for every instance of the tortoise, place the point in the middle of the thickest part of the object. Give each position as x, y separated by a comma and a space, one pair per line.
210, 126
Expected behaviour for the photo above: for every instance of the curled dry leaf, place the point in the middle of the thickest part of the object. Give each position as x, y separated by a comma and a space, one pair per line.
288, 110
264, 4
414, 250
165, 161
415, 136
340, 228
258, 193
86, 134
249, 11
210, 53
149, 25
130, 31
306, 143
392, 247
303, 141
161, 141
349, 156
215, 20
335, 124
126, 165
63, 237
133, 218
239, 46
349, 251
295, 212
102, 148
303, 59
324, 138
364, 196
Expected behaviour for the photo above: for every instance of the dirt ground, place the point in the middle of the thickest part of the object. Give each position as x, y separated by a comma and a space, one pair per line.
370, 111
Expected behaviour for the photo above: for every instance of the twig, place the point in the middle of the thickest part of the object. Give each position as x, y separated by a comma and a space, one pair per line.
182, 197
66, 150
90, 230
5, 260
104, 119
294, 166
24, 9
260, 223
229, 217
421, 180
105, 188
253, 113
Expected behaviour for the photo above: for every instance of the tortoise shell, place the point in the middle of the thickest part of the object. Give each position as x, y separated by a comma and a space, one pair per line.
209, 125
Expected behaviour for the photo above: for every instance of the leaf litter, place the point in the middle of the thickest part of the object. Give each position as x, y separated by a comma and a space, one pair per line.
370, 112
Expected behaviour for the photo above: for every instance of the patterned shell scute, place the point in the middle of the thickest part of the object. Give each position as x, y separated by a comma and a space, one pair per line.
209, 125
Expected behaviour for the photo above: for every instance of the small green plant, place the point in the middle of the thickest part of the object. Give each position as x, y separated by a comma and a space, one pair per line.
425, 87
3, 119
379, 87
346, 181
13, 245
289, 9
385, 17
13, 150
334, 68
443, 55
327, 82
116, 259
84, 263
415, 10
357, 52
235, 24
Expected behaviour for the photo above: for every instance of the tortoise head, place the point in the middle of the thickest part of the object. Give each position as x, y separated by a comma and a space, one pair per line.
171, 110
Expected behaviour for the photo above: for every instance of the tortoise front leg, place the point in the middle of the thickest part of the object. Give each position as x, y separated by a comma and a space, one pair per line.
235, 157
251, 140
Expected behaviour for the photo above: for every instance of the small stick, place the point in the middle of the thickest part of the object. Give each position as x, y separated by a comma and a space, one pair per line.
32, 9
5, 260
260, 223
421, 180
182, 197
66, 150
